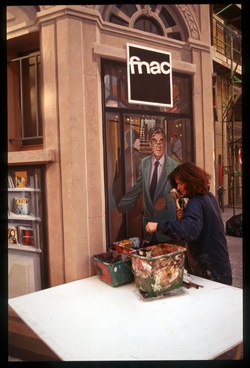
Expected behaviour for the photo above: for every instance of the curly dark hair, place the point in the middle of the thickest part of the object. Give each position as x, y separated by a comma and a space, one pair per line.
196, 180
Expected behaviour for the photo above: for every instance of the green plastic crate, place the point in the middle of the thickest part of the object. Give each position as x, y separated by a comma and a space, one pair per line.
113, 268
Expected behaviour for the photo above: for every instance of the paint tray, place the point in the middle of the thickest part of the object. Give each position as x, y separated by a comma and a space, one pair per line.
158, 268
113, 268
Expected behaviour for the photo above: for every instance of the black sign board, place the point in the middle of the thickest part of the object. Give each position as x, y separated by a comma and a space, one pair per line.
149, 76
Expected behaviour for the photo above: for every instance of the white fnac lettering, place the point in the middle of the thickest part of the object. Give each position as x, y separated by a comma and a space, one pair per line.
154, 67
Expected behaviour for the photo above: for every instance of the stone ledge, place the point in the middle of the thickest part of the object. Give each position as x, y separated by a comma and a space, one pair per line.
43, 156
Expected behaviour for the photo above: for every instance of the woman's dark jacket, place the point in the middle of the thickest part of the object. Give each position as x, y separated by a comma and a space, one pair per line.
203, 230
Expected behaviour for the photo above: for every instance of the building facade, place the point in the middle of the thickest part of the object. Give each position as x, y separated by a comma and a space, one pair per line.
68, 114
227, 100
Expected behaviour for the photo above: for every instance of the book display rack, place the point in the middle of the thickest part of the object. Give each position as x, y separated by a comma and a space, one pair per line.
25, 235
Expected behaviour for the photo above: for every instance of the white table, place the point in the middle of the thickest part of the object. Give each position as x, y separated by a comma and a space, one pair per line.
90, 320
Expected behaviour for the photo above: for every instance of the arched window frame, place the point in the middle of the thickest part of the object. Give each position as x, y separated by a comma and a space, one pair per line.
179, 31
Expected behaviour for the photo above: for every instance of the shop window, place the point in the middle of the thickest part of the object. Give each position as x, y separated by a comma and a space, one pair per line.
126, 128
26, 68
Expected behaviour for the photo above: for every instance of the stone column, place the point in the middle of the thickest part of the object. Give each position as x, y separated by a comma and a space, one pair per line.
73, 128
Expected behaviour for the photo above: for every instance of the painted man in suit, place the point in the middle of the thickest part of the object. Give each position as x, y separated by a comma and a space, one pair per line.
132, 167
161, 206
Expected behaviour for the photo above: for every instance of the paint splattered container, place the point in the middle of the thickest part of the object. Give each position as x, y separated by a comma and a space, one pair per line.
113, 268
123, 247
158, 268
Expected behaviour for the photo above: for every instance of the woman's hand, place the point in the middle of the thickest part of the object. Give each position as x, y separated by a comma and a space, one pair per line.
179, 213
151, 227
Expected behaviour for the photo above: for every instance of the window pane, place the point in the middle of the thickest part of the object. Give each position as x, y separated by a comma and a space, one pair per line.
126, 145
29, 96
148, 25
115, 81
116, 20
179, 139
128, 9
132, 149
114, 177
32, 124
28, 75
132, 156
219, 38
166, 18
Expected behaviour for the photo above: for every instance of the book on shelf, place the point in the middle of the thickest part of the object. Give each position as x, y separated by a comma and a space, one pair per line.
25, 235
21, 179
12, 235
21, 206
10, 182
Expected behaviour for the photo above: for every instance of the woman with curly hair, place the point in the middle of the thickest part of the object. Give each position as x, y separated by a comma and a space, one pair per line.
199, 225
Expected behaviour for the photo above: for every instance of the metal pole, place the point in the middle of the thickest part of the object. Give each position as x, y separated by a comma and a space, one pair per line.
233, 127
21, 95
222, 145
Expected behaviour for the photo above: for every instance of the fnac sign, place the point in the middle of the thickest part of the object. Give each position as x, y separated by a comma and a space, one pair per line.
149, 76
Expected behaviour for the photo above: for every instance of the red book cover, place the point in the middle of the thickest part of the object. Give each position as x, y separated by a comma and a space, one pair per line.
25, 235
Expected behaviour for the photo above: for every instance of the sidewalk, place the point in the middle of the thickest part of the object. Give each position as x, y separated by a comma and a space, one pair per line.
235, 246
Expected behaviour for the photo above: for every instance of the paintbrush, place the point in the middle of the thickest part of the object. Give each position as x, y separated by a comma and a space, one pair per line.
176, 196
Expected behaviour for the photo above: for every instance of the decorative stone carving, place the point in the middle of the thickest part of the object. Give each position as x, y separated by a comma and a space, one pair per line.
147, 10
190, 21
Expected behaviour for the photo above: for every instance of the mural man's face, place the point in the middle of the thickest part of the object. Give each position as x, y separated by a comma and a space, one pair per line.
157, 145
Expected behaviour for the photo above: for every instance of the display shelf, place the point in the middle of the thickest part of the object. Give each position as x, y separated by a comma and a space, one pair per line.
30, 217
24, 189
27, 248
25, 229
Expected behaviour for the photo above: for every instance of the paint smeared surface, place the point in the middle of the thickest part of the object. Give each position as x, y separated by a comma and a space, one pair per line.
158, 268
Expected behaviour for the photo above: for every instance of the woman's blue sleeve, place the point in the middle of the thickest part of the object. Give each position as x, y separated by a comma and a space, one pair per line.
189, 227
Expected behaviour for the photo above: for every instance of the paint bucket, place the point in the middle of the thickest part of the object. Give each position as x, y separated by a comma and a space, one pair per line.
158, 268
113, 268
